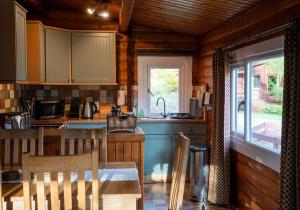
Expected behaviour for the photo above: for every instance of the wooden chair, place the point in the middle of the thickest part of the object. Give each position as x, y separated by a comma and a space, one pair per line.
84, 139
40, 165
15, 142
179, 172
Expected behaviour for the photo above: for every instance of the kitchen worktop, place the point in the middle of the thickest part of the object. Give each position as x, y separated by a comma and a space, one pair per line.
64, 120
139, 120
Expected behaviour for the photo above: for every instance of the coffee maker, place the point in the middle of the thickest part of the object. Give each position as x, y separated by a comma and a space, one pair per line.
74, 109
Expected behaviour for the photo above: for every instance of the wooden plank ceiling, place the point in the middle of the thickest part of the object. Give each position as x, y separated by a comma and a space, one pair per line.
193, 17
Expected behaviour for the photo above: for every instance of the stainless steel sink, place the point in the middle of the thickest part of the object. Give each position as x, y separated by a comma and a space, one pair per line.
152, 118
180, 116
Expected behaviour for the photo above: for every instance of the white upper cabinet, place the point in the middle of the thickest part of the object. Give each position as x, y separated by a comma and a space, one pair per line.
93, 57
13, 61
21, 43
57, 51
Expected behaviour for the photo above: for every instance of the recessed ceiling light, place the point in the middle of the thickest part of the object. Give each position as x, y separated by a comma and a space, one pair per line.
90, 11
104, 14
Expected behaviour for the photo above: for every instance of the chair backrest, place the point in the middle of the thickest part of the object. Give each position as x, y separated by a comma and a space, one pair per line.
79, 141
39, 165
179, 172
15, 142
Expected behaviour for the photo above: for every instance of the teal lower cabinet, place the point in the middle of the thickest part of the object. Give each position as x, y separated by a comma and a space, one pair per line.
85, 125
157, 156
160, 146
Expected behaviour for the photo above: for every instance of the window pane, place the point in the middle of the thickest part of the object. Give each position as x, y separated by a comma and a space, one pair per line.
266, 102
164, 83
240, 100
256, 81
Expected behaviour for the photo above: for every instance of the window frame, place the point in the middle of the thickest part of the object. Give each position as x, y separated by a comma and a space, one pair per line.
243, 143
258, 84
180, 90
184, 63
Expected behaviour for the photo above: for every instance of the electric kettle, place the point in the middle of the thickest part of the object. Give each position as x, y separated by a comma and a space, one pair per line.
89, 109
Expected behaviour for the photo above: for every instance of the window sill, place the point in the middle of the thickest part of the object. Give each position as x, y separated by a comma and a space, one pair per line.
268, 158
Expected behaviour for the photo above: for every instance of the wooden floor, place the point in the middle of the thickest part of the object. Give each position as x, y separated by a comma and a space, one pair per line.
156, 198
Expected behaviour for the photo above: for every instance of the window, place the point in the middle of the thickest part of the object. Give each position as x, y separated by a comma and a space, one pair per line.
257, 96
256, 81
166, 77
164, 82
239, 100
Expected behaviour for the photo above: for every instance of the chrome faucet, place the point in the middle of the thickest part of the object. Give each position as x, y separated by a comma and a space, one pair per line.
164, 114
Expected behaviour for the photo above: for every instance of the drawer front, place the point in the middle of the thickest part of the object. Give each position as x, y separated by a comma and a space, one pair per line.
156, 128
189, 128
86, 125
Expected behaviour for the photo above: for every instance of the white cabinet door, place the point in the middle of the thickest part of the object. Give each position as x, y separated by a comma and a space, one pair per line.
93, 57
57, 56
21, 43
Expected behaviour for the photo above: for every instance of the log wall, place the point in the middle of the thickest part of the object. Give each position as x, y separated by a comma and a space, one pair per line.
254, 186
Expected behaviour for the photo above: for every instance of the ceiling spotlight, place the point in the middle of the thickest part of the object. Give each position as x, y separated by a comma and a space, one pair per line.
104, 14
90, 11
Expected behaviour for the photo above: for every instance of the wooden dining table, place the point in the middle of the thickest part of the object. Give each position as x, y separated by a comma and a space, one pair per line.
119, 188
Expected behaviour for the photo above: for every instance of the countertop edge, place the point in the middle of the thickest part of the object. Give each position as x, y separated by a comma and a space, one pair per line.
63, 121
138, 121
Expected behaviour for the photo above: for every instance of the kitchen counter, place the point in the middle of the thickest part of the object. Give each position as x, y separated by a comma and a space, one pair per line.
139, 120
61, 121
49, 122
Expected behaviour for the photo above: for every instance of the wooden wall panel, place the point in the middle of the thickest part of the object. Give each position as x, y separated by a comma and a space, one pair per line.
157, 40
253, 185
265, 16
122, 56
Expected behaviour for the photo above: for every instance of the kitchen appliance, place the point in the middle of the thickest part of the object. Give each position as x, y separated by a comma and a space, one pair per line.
195, 108
192, 106
89, 109
15, 120
198, 109
74, 109
49, 109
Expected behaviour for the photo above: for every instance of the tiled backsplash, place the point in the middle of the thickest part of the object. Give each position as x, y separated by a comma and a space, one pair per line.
100, 95
9, 97
103, 96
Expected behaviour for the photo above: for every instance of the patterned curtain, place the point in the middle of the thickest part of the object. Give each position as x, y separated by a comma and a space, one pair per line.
290, 145
219, 185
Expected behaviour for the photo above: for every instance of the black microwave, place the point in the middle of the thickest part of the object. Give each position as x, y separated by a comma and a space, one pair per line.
49, 109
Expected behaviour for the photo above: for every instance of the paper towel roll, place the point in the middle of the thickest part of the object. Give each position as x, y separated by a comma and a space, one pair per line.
121, 98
